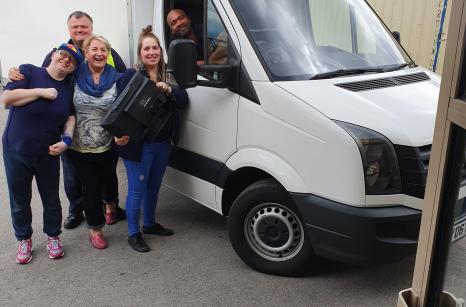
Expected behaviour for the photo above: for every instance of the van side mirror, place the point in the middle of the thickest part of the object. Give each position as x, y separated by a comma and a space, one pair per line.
397, 36
182, 62
220, 75
182, 65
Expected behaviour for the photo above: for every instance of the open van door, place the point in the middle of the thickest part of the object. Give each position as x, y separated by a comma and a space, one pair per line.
209, 124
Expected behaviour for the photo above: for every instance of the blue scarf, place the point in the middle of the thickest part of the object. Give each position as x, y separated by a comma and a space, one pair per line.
85, 82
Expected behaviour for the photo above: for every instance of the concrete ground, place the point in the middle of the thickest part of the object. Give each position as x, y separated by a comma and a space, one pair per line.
196, 266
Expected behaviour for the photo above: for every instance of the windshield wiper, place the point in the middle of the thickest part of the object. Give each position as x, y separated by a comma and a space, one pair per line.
345, 72
399, 66
358, 71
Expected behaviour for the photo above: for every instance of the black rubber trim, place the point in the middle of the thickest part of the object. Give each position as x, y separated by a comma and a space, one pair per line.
199, 166
244, 87
358, 235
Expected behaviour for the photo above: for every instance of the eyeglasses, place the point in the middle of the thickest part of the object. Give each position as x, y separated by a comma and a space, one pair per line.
66, 56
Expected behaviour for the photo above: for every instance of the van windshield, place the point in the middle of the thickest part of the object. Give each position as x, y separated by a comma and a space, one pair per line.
304, 39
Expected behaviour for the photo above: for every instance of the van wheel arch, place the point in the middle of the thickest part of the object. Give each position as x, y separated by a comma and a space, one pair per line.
237, 182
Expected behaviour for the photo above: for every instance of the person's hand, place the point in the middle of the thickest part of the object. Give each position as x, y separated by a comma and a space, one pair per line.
165, 88
49, 93
57, 148
122, 141
14, 74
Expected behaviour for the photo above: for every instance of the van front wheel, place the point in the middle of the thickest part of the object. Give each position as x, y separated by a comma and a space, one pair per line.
267, 232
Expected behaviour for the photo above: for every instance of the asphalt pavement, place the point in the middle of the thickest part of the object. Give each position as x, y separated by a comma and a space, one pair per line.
195, 267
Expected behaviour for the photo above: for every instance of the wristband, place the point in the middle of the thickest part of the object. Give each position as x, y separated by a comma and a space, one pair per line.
67, 140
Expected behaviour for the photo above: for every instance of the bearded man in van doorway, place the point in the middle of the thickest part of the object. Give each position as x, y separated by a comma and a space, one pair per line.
181, 27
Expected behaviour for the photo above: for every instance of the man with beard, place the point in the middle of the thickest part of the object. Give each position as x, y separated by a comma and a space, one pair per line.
181, 27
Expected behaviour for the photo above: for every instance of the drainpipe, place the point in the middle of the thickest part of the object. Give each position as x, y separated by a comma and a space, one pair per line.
439, 35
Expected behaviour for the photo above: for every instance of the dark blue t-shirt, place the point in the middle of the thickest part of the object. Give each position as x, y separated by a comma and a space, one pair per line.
32, 128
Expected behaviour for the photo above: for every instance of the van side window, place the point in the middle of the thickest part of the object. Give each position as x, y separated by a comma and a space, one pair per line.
217, 37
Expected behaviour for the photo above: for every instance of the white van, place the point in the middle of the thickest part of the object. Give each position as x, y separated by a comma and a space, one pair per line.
312, 136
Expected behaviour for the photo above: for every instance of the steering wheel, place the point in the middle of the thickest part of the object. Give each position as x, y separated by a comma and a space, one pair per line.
273, 54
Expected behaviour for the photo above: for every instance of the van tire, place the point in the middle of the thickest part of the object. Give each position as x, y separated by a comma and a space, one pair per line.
267, 231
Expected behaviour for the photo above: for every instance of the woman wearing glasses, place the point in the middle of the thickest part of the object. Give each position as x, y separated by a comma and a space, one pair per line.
39, 128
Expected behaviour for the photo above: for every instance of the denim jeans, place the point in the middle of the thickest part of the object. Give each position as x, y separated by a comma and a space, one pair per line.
144, 180
73, 186
20, 170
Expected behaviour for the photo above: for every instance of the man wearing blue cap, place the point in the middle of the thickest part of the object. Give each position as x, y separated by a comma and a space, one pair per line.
39, 128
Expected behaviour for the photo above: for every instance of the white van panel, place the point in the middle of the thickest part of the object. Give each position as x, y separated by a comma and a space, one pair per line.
193, 187
209, 123
268, 162
325, 156
404, 114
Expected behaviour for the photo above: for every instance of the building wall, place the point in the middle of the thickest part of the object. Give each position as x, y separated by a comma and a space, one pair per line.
29, 29
419, 23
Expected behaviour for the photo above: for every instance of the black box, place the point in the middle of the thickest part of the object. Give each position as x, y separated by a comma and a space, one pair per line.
140, 111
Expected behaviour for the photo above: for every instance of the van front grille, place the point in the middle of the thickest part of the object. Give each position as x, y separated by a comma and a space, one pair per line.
384, 82
414, 163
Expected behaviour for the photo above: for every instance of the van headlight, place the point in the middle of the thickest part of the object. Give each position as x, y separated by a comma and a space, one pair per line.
381, 169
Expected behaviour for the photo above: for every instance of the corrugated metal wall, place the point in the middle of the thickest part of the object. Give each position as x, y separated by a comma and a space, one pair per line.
419, 22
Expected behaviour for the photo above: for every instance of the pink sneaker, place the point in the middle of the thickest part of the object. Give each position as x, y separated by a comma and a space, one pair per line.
55, 248
24, 252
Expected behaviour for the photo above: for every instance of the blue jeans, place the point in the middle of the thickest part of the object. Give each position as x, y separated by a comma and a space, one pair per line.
20, 170
144, 180
73, 186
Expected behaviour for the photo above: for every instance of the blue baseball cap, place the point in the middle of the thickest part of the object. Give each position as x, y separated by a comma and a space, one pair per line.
73, 51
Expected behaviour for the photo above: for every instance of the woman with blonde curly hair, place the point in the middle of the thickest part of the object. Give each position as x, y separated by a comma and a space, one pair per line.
91, 151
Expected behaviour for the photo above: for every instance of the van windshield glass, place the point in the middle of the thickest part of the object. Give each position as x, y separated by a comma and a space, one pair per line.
302, 39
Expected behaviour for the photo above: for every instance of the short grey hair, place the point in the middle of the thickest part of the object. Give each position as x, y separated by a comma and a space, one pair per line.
79, 14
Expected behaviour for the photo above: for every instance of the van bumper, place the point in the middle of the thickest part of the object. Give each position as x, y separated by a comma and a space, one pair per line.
355, 235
